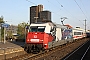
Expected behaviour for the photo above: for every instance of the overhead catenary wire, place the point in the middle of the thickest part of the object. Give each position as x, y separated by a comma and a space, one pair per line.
49, 2
80, 9
59, 9
31, 2
44, 8
68, 11
84, 7
85, 11
55, 6
61, 6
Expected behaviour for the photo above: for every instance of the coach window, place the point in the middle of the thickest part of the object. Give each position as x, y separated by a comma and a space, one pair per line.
77, 33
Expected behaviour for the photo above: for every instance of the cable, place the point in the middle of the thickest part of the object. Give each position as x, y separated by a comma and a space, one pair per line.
80, 8
68, 11
54, 5
36, 4
84, 7
85, 10
31, 2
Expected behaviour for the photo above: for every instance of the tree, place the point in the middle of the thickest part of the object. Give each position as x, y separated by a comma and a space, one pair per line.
21, 30
2, 29
1, 19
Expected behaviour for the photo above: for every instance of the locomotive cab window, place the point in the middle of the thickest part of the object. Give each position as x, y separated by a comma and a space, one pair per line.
41, 29
37, 29
33, 29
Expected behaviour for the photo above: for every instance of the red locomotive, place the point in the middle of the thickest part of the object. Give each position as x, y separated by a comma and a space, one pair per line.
42, 36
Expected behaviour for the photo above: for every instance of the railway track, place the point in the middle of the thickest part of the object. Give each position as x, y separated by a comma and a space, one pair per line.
81, 53
86, 55
42, 54
38, 55
32, 56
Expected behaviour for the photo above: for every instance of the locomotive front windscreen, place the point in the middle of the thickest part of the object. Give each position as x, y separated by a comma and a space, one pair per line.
37, 29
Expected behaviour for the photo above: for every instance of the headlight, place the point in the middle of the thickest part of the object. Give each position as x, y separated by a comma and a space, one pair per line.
45, 44
41, 40
27, 39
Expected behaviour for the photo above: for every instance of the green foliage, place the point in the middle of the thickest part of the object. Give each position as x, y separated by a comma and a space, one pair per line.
9, 34
1, 19
21, 30
2, 29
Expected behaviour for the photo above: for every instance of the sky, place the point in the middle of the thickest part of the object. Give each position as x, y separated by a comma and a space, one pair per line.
76, 11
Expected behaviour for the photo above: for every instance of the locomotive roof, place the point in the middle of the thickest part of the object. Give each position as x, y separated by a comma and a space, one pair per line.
50, 23
59, 25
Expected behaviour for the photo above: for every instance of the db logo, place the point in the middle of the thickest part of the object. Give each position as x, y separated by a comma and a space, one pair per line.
35, 36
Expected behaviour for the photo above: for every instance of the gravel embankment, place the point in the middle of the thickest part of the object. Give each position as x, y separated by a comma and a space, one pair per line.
58, 55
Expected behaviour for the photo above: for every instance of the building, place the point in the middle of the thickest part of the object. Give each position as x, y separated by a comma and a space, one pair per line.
40, 8
34, 13
11, 31
38, 15
45, 16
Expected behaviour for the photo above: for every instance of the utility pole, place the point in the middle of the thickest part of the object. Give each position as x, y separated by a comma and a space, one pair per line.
85, 25
0, 34
4, 35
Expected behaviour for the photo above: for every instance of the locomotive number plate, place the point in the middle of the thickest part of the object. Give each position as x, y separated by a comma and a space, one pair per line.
34, 40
